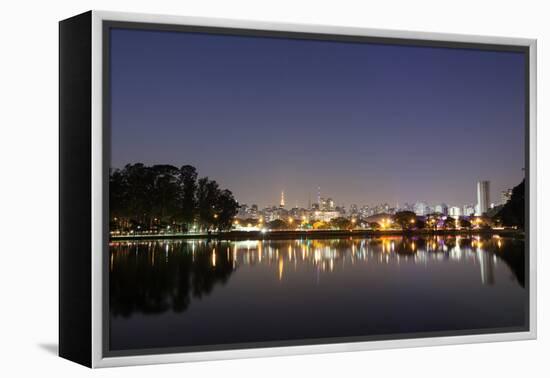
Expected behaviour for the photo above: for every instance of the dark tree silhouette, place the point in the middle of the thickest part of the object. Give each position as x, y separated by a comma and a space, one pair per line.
449, 223
340, 223
277, 224
165, 193
142, 197
420, 224
513, 212
226, 208
405, 219
464, 223
139, 189
117, 196
207, 196
188, 182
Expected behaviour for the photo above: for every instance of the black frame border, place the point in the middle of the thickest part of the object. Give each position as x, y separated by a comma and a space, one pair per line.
75, 189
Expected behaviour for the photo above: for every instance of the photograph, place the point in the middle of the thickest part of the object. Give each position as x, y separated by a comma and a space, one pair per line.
281, 189
275, 189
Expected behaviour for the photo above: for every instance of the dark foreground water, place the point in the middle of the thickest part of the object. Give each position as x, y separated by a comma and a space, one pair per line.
204, 293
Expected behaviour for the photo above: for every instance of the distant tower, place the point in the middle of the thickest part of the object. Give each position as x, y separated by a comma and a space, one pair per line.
282, 199
319, 196
483, 198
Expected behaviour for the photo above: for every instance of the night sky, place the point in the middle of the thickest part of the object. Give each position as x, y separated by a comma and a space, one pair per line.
368, 123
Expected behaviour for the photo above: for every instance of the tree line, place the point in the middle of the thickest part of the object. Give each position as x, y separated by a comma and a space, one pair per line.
163, 196
513, 211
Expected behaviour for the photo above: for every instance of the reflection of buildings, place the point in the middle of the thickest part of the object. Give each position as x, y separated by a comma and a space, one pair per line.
325, 255
486, 266
483, 198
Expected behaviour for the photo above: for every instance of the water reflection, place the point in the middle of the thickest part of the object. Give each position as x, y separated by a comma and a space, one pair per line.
157, 276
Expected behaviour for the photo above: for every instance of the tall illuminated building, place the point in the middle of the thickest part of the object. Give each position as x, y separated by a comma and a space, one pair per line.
421, 208
455, 212
282, 204
483, 198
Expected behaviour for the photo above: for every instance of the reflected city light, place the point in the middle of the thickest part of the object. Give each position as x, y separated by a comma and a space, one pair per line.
324, 255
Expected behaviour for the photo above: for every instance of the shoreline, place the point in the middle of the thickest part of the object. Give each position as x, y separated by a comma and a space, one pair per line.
317, 234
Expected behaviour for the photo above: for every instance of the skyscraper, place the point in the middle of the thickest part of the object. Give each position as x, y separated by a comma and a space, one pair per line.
282, 199
455, 212
420, 208
483, 198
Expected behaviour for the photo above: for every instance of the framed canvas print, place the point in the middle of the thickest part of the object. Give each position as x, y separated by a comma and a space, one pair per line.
233, 189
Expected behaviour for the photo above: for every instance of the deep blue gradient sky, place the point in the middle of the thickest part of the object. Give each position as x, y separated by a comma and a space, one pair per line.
368, 123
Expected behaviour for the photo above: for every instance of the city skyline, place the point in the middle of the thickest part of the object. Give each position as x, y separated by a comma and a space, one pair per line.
369, 123
283, 201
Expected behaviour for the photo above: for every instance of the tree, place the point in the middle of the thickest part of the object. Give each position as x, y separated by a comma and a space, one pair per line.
277, 224
340, 223
513, 212
306, 226
433, 220
374, 225
165, 193
139, 192
464, 223
188, 184
420, 224
117, 194
405, 219
449, 223
492, 212
320, 225
142, 197
207, 196
225, 209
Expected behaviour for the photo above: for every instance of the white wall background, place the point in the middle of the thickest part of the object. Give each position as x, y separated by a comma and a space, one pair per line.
28, 184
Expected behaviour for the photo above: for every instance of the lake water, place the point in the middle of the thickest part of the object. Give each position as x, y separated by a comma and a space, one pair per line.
198, 293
